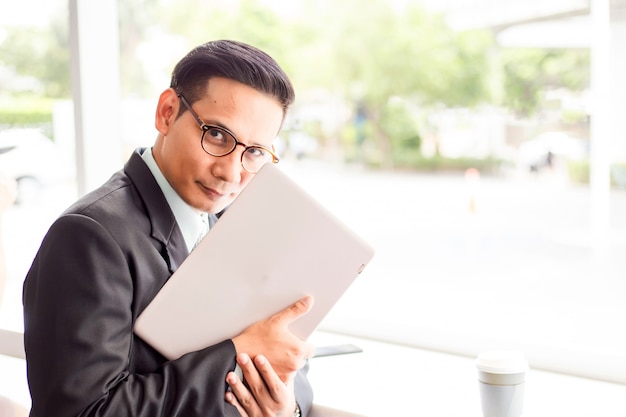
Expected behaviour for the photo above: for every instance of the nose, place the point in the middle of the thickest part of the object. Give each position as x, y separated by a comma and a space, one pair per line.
228, 168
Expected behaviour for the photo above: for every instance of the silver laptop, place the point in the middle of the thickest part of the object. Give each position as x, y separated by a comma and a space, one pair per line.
274, 245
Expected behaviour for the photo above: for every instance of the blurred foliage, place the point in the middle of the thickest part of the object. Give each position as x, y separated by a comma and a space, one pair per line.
530, 73
412, 159
377, 54
574, 116
579, 172
398, 122
136, 17
442, 164
29, 117
26, 104
41, 53
392, 65
618, 175
199, 21
27, 112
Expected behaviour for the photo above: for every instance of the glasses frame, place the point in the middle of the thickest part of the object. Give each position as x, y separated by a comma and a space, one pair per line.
205, 127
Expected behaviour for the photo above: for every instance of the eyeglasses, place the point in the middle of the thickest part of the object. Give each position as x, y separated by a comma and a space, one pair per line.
219, 141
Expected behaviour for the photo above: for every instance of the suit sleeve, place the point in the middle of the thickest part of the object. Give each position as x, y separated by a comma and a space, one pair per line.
304, 392
78, 303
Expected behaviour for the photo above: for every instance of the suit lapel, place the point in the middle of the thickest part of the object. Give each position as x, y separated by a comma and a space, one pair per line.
164, 226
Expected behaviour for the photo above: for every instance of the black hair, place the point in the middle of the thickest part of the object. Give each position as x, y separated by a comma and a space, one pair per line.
233, 60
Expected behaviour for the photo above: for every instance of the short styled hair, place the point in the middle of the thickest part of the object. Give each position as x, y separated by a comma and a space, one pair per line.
233, 60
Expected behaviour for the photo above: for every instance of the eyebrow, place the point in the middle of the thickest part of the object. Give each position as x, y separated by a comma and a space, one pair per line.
222, 126
215, 123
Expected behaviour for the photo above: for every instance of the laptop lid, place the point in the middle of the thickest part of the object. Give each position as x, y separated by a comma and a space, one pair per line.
274, 245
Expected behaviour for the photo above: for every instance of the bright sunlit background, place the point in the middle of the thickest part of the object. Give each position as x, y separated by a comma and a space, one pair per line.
477, 144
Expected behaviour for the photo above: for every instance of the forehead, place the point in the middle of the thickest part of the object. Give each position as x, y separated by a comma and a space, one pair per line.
251, 115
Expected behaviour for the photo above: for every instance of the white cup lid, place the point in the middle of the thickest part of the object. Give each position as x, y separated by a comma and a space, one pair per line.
502, 362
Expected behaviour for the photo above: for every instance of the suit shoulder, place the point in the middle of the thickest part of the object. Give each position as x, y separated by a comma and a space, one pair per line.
114, 200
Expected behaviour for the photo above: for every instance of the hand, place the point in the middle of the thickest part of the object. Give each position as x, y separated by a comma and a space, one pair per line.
264, 394
272, 339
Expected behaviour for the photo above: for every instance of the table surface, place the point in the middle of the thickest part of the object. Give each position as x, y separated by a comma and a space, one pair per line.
392, 380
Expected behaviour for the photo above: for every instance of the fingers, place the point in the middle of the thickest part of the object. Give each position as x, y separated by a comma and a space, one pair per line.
251, 375
232, 400
263, 393
297, 309
261, 379
274, 386
272, 338
240, 397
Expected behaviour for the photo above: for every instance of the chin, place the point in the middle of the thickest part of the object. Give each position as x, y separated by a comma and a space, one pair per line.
216, 208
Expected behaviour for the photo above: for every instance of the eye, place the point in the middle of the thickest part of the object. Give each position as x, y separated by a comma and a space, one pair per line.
217, 136
257, 153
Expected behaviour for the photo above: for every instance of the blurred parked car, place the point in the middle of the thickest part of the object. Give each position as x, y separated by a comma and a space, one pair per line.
34, 161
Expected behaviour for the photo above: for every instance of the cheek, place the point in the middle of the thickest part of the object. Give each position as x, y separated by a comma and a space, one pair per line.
246, 177
184, 166
189, 156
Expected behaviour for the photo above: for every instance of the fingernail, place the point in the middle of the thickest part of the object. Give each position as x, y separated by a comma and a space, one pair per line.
243, 358
308, 299
260, 360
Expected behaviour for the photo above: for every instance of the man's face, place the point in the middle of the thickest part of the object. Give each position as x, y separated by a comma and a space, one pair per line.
205, 182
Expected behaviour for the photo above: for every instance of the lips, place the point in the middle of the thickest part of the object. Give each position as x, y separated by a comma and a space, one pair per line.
213, 192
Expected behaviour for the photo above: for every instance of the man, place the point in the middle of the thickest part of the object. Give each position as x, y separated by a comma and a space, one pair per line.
106, 257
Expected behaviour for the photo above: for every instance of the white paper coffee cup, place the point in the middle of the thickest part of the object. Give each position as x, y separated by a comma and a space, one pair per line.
501, 376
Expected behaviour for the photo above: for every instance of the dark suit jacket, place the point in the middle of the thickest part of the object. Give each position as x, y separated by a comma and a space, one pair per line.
100, 264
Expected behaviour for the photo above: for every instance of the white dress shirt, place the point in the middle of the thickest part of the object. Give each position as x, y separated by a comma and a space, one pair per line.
192, 223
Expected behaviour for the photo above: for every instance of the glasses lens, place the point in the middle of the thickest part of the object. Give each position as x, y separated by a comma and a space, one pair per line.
254, 158
216, 141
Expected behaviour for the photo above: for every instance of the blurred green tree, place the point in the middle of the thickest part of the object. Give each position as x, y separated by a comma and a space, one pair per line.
137, 19
530, 73
199, 21
376, 53
391, 63
44, 52
41, 53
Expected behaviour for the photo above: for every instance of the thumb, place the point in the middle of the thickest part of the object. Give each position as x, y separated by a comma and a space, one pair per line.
297, 309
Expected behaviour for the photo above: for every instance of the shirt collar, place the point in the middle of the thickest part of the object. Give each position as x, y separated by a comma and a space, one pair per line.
189, 220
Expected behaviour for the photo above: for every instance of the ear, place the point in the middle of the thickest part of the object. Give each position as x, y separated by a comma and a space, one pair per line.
166, 111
